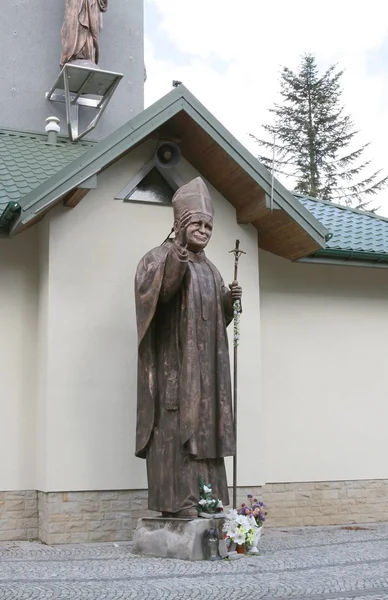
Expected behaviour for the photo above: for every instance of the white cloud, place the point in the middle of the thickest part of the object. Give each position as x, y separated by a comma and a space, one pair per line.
229, 28
254, 40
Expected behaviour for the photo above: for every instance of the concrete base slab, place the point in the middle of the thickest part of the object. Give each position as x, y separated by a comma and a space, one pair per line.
173, 538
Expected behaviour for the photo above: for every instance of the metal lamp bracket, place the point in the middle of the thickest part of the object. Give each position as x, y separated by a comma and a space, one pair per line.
88, 87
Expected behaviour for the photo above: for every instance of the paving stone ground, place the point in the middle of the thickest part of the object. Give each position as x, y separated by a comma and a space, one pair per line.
318, 563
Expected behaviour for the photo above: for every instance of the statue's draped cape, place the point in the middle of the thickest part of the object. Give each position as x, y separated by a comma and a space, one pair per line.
181, 384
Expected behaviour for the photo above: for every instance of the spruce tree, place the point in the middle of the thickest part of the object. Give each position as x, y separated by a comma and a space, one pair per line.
312, 138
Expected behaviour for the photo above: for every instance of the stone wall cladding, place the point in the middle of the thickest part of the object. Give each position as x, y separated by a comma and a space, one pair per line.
111, 516
18, 516
79, 517
326, 503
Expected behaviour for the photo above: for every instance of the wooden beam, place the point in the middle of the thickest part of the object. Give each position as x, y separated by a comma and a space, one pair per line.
32, 217
30, 223
252, 209
75, 197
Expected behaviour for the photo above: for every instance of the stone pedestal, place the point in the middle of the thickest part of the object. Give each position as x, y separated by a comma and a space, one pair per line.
173, 538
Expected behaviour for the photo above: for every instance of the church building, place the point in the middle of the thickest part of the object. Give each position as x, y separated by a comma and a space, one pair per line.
87, 177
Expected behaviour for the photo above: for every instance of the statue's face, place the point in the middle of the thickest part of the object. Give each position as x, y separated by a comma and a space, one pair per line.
199, 232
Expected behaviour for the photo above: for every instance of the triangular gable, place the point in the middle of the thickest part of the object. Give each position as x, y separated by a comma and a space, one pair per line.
239, 176
152, 189
151, 184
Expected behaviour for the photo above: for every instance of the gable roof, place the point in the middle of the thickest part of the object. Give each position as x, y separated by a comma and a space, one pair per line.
27, 160
291, 232
356, 234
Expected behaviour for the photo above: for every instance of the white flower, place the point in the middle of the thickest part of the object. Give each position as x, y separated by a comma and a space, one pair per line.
252, 522
239, 538
202, 502
231, 531
230, 524
207, 489
242, 520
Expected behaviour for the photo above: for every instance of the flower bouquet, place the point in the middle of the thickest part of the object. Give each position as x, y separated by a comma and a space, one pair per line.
207, 503
240, 529
256, 509
243, 526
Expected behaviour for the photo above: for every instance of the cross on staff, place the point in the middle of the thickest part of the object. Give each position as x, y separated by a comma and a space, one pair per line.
237, 307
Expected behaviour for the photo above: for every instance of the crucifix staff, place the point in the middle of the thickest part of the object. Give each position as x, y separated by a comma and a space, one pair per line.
236, 335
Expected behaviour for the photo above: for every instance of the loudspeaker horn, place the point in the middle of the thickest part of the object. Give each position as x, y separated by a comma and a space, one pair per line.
167, 155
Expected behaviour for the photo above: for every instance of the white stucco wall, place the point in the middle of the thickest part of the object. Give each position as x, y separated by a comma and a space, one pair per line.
324, 336
90, 372
68, 351
18, 313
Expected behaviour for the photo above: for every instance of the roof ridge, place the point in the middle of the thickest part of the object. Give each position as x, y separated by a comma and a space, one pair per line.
357, 211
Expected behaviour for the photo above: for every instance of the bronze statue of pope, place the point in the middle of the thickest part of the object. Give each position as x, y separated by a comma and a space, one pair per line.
184, 404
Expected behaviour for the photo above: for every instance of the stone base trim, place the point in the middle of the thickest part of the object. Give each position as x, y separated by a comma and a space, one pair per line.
18, 516
80, 517
111, 516
326, 502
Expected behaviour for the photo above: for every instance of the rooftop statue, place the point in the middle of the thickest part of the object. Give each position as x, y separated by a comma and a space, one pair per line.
81, 30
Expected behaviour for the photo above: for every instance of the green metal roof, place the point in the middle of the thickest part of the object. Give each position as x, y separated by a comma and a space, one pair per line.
27, 160
34, 173
356, 234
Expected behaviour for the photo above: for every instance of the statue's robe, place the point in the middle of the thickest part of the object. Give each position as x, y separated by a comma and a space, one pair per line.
184, 410
81, 30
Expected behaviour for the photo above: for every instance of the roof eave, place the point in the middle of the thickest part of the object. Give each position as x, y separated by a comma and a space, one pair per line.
282, 197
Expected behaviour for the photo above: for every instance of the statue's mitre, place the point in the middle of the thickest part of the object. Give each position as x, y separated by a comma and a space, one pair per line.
193, 197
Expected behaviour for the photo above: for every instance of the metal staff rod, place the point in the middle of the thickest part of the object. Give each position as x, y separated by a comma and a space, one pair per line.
236, 318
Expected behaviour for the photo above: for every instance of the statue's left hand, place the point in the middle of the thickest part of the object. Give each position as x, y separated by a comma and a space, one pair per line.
236, 291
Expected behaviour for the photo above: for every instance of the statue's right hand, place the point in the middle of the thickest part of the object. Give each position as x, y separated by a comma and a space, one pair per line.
183, 223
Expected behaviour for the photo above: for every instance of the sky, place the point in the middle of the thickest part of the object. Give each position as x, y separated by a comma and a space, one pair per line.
229, 54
